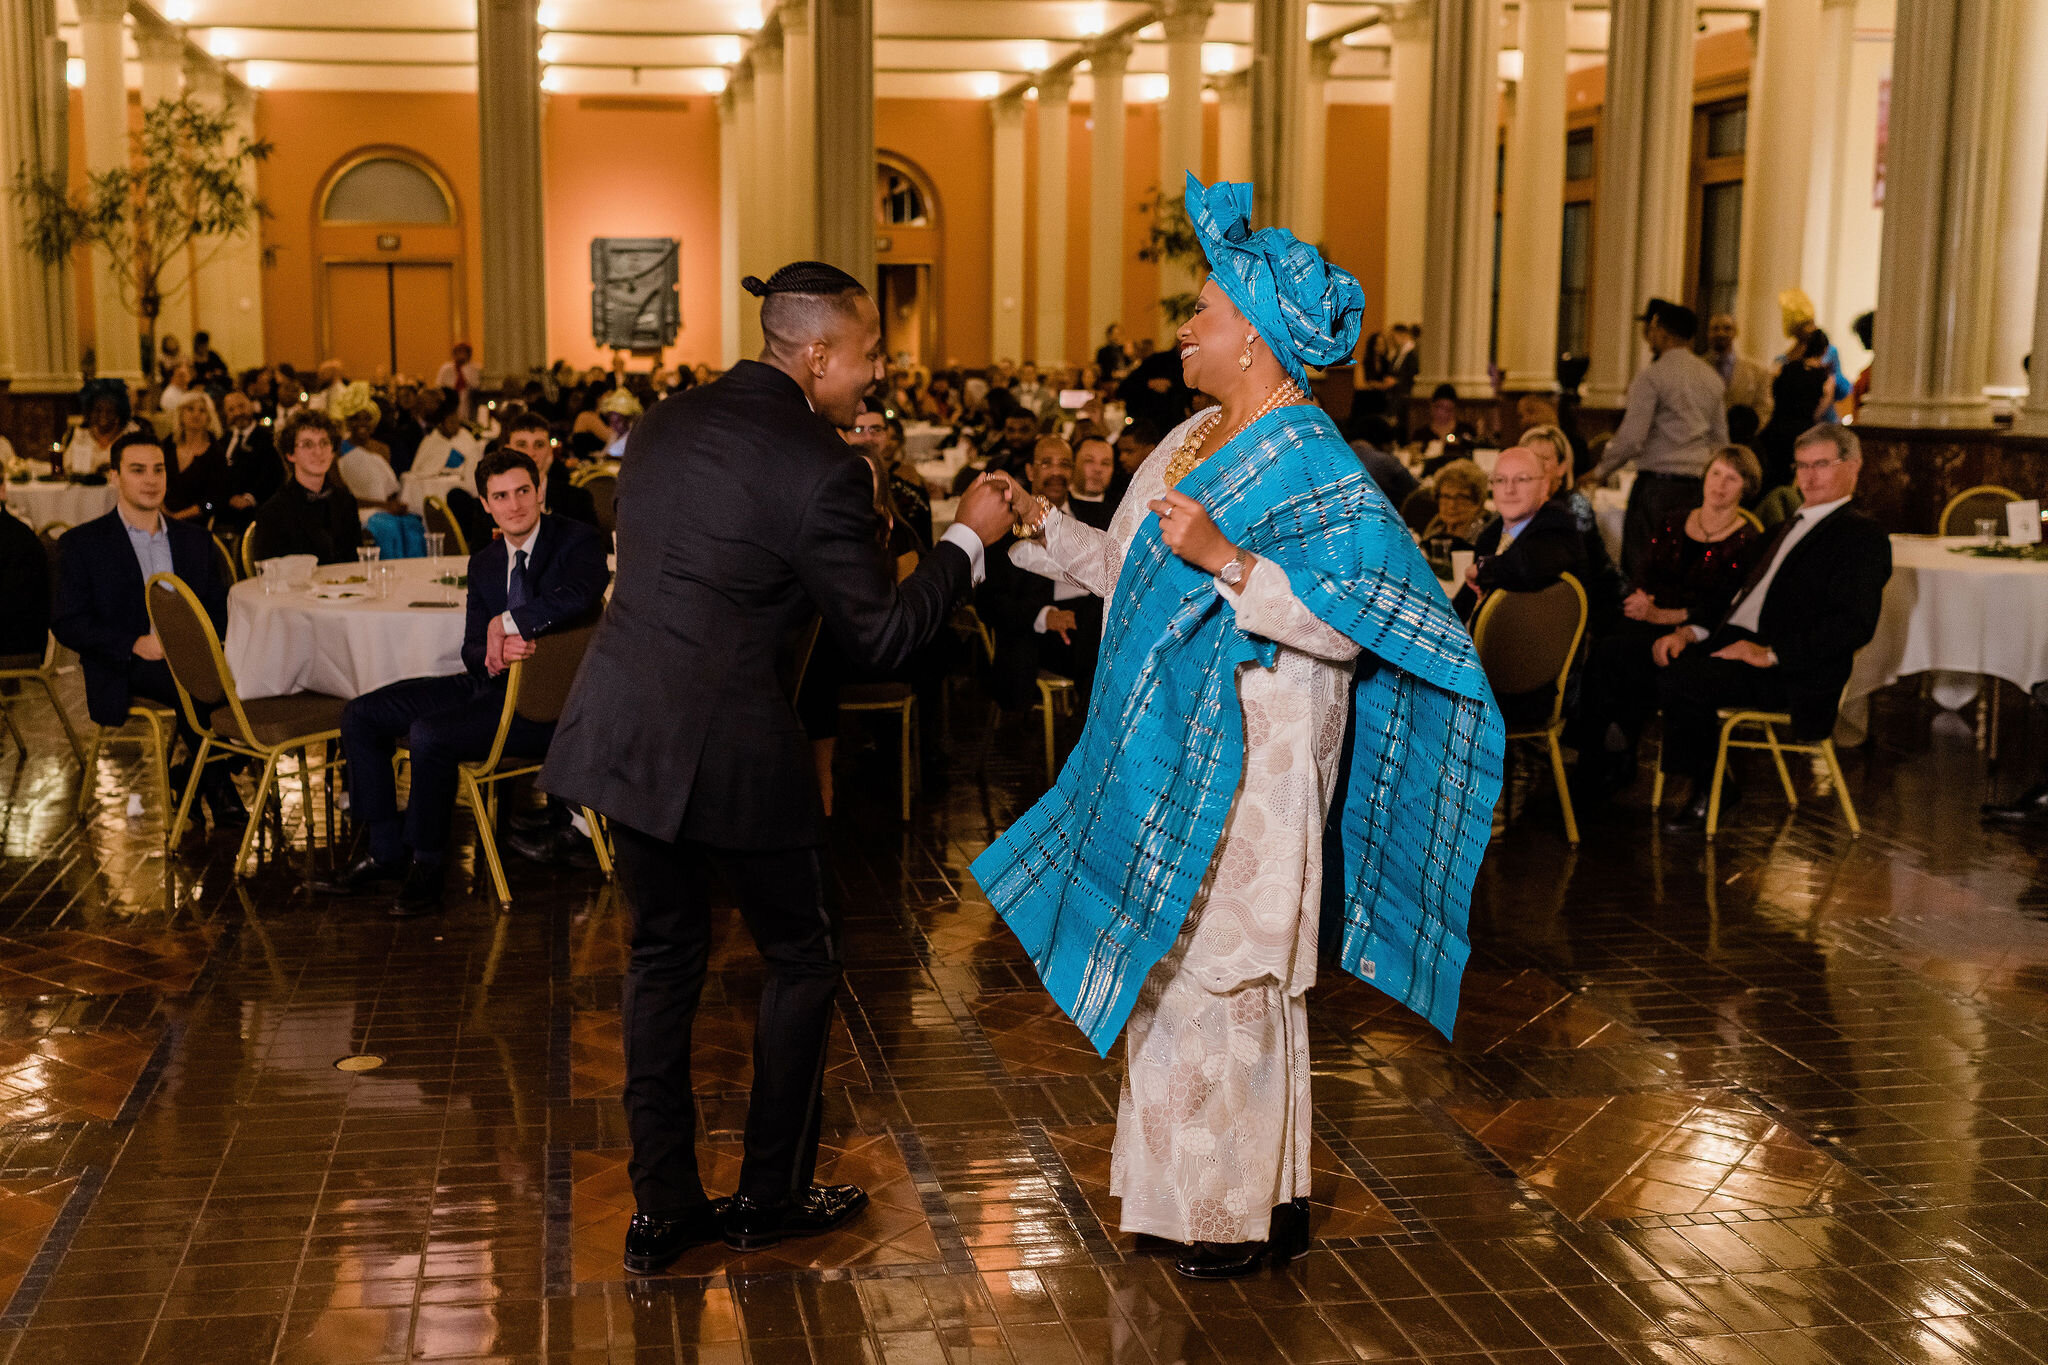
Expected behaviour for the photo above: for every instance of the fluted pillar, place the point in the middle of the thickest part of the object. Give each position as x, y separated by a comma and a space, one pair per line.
1532, 203
1311, 185
800, 130
1411, 23
162, 53
1777, 165
1457, 259
747, 179
1279, 75
1233, 126
1006, 229
116, 335
2032, 418
1645, 162
38, 331
2025, 153
843, 56
731, 153
771, 112
1951, 60
1106, 188
1055, 92
1180, 121
508, 95
1830, 63
227, 286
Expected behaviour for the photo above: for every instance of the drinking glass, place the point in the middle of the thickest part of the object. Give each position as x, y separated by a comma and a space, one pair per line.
1987, 530
1440, 554
369, 554
434, 540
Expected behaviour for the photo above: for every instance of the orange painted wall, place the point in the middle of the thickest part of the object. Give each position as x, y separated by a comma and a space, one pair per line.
1355, 200
597, 187
948, 141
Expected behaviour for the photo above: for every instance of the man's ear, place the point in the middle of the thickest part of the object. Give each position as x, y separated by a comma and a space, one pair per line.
818, 357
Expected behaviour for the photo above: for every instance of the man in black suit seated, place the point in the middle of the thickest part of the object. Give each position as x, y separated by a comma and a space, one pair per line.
25, 587
254, 471
99, 611
542, 573
313, 513
530, 435
1096, 490
1811, 601
743, 517
1039, 623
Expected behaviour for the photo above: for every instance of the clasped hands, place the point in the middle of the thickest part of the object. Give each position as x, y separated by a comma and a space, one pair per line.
1184, 524
1665, 648
502, 650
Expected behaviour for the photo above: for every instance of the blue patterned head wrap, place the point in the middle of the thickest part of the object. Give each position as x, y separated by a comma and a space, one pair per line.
1307, 310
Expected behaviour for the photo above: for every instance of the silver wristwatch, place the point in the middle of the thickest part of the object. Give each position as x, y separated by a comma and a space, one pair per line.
1232, 574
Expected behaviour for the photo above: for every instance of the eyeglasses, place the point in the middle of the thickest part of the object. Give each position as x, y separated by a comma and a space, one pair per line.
1517, 481
1818, 465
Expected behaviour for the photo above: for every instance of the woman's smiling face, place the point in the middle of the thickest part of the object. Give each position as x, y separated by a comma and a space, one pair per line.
1213, 337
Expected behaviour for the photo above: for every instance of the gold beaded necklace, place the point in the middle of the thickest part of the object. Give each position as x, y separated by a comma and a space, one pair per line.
1189, 455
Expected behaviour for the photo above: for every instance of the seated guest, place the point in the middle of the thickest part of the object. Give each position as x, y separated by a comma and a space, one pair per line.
365, 467
1810, 600
1039, 623
1460, 505
105, 404
530, 435
1602, 581
1531, 540
1133, 444
254, 471
879, 438
99, 611
401, 430
449, 445
25, 587
196, 462
1096, 491
314, 513
1445, 438
1372, 440
1694, 564
542, 573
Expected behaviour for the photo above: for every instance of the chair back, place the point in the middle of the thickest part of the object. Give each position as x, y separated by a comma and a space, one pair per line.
1756, 522
550, 672
603, 488
248, 555
191, 650
1967, 508
437, 517
224, 561
1527, 640
1418, 509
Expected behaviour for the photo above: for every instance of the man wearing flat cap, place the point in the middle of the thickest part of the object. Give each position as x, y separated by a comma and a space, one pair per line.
1675, 418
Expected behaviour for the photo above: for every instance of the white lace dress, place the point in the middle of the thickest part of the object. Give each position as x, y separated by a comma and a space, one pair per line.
1213, 1124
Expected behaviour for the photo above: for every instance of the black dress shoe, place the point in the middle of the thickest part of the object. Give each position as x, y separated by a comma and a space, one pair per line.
532, 820
1693, 814
751, 1225
363, 875
534, 845
2029, 805
224, 804
652, 1244
1286, 1242
421, 894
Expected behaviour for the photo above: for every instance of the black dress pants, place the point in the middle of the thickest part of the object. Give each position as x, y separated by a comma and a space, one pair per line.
785, 904
1618, 686
1695, 686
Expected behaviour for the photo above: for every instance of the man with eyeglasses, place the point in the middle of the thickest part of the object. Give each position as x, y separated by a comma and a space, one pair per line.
1531, 542
1810, 602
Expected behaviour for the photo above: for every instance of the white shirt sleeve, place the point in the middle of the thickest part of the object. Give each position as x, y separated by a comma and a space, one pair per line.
961, 534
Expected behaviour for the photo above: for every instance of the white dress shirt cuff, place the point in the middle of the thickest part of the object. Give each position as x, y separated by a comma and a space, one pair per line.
1699, 632
977, 555
1038, 621
511, 626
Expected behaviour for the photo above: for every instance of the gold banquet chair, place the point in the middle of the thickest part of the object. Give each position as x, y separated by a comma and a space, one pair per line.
158, 722
1527, 641
264, 728
1767, 722
602, 483
1959, 516
248, 552
1055, 690
436, 516
42, 671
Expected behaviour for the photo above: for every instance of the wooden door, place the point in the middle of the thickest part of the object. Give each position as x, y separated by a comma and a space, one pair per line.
359, 319
422, 316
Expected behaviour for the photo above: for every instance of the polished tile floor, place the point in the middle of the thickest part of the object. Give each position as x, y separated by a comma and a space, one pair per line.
1781, 1100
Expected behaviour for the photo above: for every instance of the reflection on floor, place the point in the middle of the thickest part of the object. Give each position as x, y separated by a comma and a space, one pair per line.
1781, 1100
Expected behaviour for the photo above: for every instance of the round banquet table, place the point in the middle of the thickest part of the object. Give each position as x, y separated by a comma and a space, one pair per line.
1952, 614
39, 503
921, 439
414, 488
293, 641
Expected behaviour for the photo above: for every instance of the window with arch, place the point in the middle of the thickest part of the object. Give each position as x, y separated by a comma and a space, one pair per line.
386, 189
903, 200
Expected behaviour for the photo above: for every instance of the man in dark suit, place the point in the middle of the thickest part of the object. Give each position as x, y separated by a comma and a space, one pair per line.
1811, 601
742, 516
530, 435
1037, 622
255, 473
312, 513
99, 611
25, 587
1097, 488
542, 573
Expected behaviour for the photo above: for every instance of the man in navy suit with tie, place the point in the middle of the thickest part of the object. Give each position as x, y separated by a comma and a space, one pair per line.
541, 573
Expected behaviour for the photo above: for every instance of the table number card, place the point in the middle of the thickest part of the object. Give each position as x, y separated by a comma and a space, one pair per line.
2023, 522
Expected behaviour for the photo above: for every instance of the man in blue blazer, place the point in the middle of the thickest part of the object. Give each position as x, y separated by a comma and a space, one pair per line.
541, 573
98, 611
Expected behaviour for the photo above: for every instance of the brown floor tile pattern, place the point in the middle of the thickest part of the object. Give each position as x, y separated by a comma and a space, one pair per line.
100, 963
62, 1077
27, 1209
721, 1053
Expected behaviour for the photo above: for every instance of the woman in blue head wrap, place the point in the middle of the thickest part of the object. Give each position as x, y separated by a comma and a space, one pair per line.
1260, 593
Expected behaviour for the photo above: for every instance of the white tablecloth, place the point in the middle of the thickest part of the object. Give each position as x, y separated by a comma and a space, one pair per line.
415, 487
921, 439
39, 504
1610, 512
294, 642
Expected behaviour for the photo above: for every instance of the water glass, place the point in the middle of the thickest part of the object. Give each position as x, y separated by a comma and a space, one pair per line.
368, 554
1987, 530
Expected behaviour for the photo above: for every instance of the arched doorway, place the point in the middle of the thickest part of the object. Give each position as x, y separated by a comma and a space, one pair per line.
907, 261
387, 234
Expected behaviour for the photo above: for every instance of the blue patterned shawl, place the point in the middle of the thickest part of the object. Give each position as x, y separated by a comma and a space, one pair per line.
1097, 878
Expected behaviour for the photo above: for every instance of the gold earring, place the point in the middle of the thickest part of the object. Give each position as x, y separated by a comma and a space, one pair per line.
1244, 362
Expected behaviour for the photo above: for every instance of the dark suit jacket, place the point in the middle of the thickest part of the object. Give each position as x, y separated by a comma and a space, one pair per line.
292, 522
565, 581
25, 587
99, 611
565, 499
1822, 607
1096, 514
741, 513
253, 466
1548, 547
1009, 601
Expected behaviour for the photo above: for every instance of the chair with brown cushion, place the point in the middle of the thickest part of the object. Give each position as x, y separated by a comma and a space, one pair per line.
1055, 690
897, 697
248, 551
42, 671
1756, 523
437, 517
1985, 502
158, 722
602, 483
1527, 641
225, 561
265, 728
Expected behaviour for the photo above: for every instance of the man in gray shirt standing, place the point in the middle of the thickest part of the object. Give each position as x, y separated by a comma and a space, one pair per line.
1675, 418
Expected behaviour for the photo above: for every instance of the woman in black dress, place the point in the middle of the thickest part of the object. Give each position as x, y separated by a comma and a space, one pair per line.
195, 462
1691, 572
1803, 389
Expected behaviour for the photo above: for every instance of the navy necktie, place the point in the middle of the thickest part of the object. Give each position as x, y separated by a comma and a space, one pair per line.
515, 590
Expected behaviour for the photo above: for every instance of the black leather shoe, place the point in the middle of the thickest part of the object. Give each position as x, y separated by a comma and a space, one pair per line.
421, 894
1286, 1242
1693, 814
363, 875
536, 845
532, 820
751, 1225
2029, 805
652, 1244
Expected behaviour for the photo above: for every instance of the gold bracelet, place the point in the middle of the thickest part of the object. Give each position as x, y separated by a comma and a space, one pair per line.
1033, 530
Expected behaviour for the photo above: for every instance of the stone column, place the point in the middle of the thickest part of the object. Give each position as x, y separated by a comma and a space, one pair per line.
1830, 61
38, 331
1457, 258
1006, 230
1411, 23
1106, 188
1532, 203
508, 99
747, 142
2024, 151
1180, 122
1233, 126
116, 334
227, 286
800, 130
162, 50
1951, 61
843, 52
1315, 139
1777, 168
2032, 418
1055, 91
731, 298
771, 115
1279, 74
1646, 145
